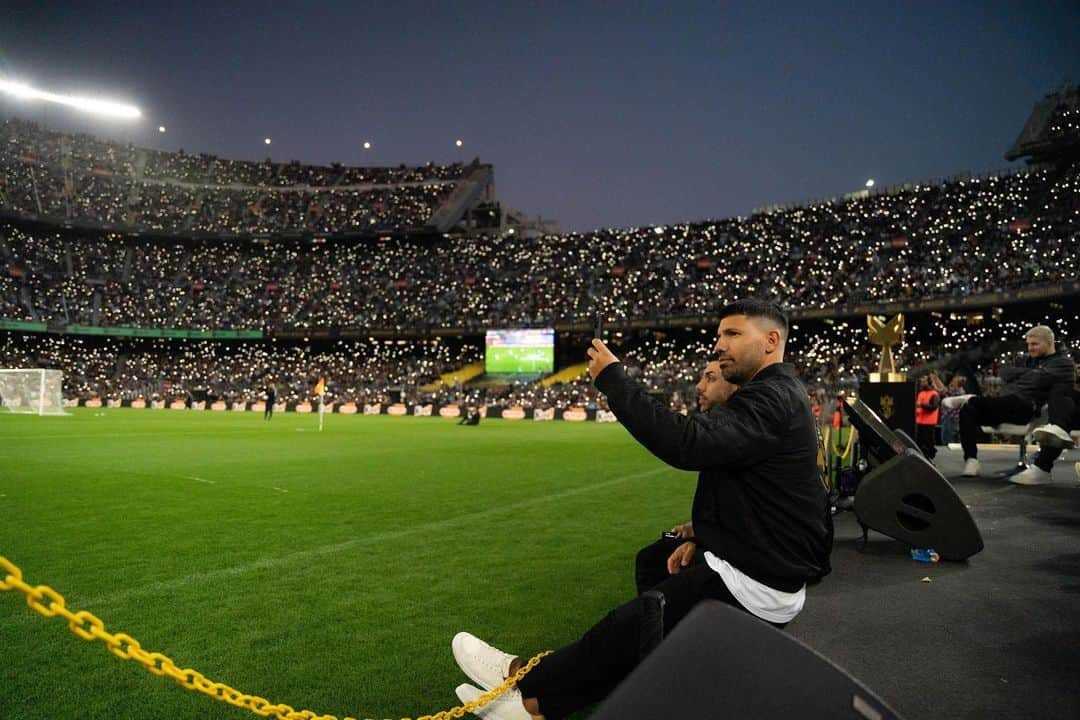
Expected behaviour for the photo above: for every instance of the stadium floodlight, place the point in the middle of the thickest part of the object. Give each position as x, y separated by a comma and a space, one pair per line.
459, 143
870, 183
266, 141
367, 145
161, 128
106, 108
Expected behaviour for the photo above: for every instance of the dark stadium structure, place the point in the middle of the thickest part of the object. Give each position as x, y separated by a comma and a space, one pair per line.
1051, 134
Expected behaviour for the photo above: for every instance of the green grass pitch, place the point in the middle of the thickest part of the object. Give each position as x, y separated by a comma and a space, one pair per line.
324, 570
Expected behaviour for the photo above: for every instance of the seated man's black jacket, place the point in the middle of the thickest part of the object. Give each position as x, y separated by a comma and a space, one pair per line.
760, 503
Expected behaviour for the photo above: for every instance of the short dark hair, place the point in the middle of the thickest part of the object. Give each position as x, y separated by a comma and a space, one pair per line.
755, 308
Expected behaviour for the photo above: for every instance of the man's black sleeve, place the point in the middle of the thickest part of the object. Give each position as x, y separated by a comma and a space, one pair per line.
742, 432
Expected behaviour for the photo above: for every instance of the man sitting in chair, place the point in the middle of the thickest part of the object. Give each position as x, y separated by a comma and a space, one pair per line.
1054, 437
1026, 390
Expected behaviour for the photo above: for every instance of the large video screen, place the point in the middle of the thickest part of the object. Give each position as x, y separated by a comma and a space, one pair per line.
520, 352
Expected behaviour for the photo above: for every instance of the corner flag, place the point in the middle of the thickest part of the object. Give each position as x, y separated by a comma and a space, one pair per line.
320, 387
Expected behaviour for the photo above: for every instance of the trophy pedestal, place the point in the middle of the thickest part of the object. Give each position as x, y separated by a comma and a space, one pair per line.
892, 377
894, 402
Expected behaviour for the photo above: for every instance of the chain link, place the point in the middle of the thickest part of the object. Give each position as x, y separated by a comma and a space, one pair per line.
48, 603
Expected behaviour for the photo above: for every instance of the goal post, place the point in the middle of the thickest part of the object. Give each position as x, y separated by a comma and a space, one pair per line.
31, 391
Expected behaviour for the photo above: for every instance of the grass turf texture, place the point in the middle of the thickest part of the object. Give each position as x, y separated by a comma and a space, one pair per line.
324, 570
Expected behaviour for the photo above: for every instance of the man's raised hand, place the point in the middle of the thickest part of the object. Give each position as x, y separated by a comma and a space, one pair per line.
599, 357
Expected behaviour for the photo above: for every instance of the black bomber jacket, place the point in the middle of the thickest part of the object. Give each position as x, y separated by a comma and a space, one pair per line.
760, 503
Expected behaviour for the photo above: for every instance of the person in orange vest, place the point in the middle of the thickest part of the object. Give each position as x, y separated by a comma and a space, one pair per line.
927, 409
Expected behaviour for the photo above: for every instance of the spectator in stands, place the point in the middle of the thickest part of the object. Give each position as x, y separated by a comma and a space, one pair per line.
1026, 390
950, 417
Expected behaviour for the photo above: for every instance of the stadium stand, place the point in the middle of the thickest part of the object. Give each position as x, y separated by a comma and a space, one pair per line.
108, 239
77, 179
962, 238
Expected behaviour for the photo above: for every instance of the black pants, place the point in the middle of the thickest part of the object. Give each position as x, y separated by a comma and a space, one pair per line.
1063, 413
979, 411
650, 565
925, 435
586, 671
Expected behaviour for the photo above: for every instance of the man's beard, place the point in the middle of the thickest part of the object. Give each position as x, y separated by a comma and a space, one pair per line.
734, 375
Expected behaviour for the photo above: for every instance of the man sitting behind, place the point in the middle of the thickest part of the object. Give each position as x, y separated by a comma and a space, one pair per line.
651, 564
1026, 390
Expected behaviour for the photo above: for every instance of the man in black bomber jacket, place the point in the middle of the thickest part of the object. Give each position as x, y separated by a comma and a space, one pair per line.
760, 517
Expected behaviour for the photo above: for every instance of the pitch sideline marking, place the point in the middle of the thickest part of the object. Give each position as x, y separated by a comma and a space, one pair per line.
303, 555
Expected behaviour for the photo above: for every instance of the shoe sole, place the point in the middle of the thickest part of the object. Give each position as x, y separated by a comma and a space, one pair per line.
1052, 440
1048, 481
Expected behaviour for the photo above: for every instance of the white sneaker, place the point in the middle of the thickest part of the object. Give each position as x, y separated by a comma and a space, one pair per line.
486, 666
956, 401
507, 706
1034, 475
971, 468
1052, 436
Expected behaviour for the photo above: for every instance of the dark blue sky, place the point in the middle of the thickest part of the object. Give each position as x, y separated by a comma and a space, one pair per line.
610, 114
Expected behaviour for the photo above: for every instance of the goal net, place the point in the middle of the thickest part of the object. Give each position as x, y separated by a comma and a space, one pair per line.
37, 392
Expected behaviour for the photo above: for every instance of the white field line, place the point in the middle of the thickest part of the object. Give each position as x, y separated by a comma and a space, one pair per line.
303, 556
281, 489
202, 480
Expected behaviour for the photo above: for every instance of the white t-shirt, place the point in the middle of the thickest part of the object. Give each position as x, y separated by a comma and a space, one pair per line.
763, 601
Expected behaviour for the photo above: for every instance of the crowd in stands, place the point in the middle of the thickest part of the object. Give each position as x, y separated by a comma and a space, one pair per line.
360, 371
952, 240
830, 356
87, 180
947, 240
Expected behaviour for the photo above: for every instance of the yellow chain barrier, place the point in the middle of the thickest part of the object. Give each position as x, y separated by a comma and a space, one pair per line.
850, 442
48, 603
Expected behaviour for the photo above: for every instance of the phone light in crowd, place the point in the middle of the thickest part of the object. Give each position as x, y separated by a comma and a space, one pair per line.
870, 183
266, 141
90, 105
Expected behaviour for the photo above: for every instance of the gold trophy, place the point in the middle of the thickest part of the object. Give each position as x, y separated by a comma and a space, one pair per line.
886, 333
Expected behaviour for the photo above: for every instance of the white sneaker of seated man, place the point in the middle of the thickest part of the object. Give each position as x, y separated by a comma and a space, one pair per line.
1034, 475
1052, 436
487, 666
956, 401
971, 468
505, 707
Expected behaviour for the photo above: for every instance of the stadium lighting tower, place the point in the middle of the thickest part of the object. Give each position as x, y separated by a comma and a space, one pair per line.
459, 143
367, 145
161, 128
266, 141
870, 183
105, 108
